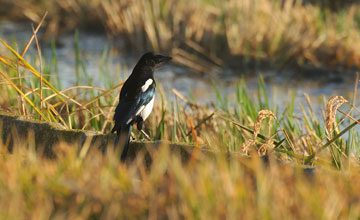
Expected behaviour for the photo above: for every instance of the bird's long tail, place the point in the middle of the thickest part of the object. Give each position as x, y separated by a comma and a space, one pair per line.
124, 136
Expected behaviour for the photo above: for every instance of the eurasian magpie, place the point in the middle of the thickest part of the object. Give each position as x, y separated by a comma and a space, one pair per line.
136, 98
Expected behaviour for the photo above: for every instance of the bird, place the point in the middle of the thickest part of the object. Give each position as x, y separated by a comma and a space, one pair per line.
136, 99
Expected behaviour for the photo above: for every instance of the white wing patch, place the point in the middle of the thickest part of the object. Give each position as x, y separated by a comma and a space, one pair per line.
146, 85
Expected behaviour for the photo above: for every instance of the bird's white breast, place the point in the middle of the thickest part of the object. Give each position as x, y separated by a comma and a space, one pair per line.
147, 109
146, 85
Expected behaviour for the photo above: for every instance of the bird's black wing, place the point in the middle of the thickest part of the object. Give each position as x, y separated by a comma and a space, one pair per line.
127, 108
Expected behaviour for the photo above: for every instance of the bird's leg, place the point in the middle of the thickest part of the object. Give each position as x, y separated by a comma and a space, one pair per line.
146, 135
140, 123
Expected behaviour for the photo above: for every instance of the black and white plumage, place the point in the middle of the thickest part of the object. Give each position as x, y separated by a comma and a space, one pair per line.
136, 98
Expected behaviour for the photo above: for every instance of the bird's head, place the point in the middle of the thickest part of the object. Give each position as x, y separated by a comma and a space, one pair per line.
153, 60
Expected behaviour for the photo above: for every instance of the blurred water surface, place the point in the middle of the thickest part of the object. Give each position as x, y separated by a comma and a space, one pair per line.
106, 62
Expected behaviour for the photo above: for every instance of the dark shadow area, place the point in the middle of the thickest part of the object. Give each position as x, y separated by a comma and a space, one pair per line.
333, 5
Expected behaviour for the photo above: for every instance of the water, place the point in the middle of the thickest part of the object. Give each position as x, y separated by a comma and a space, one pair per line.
101, 56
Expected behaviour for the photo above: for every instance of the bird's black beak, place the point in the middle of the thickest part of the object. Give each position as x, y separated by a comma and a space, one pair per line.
162, 59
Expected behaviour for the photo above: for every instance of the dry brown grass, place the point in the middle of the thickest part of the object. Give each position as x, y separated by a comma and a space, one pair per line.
99, 186
86, 184
282, 33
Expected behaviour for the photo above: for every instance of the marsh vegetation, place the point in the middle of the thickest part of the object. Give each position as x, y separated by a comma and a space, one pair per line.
312, 160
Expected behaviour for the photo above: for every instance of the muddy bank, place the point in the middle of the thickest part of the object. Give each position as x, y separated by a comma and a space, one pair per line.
47, 136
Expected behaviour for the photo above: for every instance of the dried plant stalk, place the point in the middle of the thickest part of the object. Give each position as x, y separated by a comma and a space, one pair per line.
248, 143
333, 104
263, 114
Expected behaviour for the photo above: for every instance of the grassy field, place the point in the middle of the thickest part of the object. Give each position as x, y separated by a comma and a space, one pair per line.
203, 33
87, 184
99, 187
221, 125
312, 170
